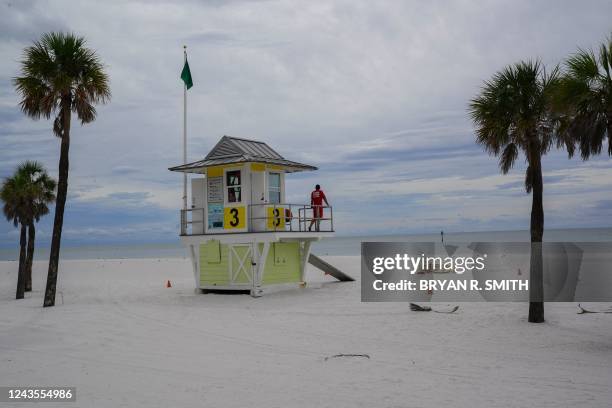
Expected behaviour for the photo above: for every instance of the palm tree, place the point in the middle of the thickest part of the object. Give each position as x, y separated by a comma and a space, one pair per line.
12, 194
512, 114
584, 99
43, 193
25, 196
61, 76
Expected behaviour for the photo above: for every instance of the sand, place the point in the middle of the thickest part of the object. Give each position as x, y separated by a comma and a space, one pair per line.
124, 340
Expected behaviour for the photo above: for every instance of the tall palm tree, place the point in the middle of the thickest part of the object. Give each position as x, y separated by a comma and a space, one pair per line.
25, 196
584, 99
512, 114
61, 76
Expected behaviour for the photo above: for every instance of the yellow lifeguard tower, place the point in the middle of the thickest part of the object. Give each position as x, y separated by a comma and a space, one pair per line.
241, 233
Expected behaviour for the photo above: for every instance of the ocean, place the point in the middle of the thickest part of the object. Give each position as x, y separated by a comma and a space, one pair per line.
341, 245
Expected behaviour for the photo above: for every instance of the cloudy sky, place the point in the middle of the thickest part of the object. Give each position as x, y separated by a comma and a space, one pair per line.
373, 93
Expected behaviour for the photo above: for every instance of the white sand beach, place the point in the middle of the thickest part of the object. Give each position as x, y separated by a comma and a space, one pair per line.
124, 340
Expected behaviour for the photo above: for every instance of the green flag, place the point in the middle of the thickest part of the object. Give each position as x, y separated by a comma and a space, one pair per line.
186, 75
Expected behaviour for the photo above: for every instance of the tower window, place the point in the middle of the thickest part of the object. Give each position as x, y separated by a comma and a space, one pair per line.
274, 188
233, 185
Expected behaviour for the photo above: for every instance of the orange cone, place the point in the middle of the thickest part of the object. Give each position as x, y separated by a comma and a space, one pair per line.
168, 283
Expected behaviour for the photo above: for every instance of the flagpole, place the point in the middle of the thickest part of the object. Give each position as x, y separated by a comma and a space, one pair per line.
185, 134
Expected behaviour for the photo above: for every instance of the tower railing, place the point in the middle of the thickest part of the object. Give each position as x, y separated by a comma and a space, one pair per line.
265, 217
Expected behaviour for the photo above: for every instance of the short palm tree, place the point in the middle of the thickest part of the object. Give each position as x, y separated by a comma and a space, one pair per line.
12, 195
584, 99
43, 194
61, 76
25, 196
512, 114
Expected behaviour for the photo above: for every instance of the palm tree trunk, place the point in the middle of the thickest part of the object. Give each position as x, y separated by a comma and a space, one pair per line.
536, 278
22, 259
60, 204
30, 256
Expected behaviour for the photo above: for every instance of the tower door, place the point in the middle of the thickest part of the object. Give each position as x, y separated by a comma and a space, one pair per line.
258, 198
240, 267
198, 216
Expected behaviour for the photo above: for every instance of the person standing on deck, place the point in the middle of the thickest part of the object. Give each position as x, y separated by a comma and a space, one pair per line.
317, 197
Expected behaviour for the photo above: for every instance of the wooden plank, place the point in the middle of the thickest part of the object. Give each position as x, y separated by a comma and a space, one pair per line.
328, 268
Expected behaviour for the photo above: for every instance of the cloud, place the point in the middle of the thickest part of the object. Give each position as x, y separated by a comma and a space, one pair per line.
24, 20
124, 170
373, 93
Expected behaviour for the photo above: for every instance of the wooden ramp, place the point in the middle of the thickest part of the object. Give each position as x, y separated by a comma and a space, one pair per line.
328, 268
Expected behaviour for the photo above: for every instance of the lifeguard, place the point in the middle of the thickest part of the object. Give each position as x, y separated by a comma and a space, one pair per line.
317, 197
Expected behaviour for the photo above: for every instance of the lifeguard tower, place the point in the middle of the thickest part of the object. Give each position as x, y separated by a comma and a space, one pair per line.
241, 233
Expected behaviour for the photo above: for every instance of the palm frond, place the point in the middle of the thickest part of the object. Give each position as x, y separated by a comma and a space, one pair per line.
583, 65
605, 58
513, 112
57, 68
27, 193
584, 100
508, 157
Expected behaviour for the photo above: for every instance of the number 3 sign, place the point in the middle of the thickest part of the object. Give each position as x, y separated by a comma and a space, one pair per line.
276, 218
233, 218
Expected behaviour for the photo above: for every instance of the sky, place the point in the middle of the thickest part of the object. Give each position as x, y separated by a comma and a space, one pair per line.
375, 94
